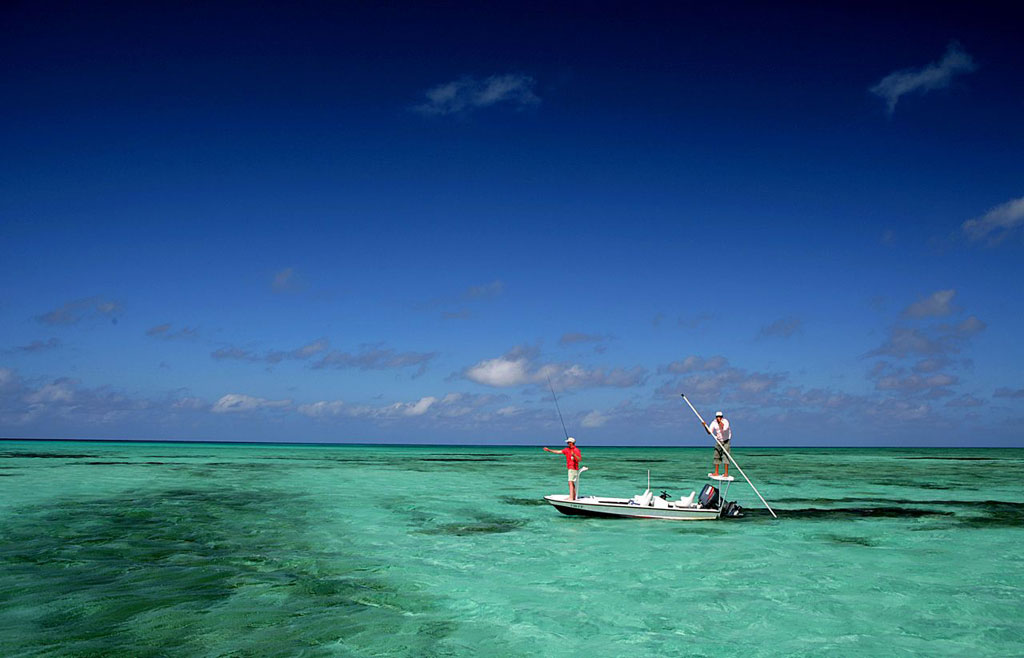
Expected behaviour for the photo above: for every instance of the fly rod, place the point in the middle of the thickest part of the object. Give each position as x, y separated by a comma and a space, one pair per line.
552, 388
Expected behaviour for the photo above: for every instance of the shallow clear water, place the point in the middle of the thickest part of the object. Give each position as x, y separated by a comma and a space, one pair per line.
211, 550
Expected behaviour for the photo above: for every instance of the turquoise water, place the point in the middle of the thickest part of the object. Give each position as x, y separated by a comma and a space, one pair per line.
271, 550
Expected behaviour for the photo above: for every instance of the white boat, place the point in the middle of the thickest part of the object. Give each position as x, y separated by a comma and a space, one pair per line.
708, 506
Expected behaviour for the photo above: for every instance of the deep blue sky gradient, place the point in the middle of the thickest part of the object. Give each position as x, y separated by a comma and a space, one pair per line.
692, 180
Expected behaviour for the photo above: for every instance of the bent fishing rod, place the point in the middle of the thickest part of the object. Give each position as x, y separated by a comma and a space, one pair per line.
729, 455
552, 389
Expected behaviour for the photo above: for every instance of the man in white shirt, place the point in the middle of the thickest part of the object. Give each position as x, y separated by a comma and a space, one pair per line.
719, 428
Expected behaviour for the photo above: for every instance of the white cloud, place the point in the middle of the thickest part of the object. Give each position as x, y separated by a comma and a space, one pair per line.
468, 94
594, 419
322, 409
60, 390
449, 406
935, 304
500, 372
239, 402
999, 221
517, 368
419, 408
936, 75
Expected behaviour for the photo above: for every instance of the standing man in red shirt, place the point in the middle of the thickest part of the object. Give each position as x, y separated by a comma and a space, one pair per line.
573, 456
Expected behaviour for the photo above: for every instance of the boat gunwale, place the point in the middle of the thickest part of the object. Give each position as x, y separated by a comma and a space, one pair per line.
703, 513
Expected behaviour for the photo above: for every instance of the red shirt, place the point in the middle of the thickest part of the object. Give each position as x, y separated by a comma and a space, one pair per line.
572, 457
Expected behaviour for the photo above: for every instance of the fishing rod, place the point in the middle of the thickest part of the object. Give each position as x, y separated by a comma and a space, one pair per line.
552, 388
731, 458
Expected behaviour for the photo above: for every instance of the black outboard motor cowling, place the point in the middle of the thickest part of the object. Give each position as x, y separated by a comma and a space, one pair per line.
732, 510
708, 498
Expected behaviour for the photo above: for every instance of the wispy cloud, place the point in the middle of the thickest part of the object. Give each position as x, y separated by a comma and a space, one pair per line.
713, 377
914, 382
163, 332
574, 338
286, 280
1013, 393
66, 400
273, 356
453, 304
936, 304
695, 321
997, 223
965, 401
782, 328
37, 346
929, 342
468, 94
464, 407
519, 367
594, 419
693, 363
376, 358
486, 291
936, 75
241, 403
77, 310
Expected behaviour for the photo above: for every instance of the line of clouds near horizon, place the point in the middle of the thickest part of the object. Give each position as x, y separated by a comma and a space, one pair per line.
936, 75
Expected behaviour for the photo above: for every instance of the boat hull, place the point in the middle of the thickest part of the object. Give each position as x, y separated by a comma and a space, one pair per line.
621, 509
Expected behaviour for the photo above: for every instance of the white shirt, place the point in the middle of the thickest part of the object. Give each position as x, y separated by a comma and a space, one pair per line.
720, 429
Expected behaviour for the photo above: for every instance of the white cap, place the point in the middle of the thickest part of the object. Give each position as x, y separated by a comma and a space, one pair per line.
718, 413
570, 440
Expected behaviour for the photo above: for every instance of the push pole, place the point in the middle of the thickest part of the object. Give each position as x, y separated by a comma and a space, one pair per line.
731, 459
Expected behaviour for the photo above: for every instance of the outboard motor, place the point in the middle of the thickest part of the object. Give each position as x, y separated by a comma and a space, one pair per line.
708, 498
732, 510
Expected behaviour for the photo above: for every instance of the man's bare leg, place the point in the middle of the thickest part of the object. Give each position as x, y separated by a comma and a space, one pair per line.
572, 491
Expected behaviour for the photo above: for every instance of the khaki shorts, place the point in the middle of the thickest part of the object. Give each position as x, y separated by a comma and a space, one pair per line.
719, 455
574, 475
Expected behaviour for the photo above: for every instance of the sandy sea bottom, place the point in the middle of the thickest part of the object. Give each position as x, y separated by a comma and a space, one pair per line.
274, 550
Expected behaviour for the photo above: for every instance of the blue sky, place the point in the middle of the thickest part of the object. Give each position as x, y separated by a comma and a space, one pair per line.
396, 223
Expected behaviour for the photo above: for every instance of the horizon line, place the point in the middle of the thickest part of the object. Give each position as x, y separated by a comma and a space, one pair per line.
486, 445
